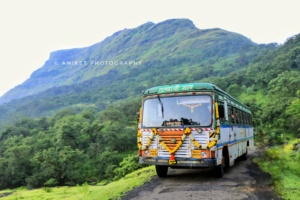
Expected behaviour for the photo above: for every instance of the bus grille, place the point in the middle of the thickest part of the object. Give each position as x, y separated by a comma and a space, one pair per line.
168, 138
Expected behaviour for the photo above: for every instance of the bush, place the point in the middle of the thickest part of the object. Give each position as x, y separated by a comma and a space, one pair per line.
51, 182
47, 189
128, 165
273, 154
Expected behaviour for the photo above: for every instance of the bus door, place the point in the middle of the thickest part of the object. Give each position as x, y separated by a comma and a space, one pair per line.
224, 122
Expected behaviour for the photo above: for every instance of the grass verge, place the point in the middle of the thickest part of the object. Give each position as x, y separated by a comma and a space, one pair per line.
113, 190
283, 163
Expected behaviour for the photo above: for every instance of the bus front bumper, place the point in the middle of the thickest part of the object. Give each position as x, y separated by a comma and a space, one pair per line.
180, 162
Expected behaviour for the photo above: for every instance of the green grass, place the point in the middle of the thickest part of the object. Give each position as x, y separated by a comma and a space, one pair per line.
113, 190
283, 163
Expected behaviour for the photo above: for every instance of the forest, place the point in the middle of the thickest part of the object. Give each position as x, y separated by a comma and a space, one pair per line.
70, 148
96, 139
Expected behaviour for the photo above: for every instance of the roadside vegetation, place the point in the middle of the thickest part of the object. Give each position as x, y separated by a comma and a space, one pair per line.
70, 148
102, 190
283, 163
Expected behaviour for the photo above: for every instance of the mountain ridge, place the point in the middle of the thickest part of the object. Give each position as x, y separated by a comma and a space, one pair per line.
168, 39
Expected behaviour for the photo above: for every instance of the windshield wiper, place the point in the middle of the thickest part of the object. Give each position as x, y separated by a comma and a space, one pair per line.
162, 106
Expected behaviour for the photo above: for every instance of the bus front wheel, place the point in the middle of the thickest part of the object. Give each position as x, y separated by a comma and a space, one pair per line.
161, 171
219, 169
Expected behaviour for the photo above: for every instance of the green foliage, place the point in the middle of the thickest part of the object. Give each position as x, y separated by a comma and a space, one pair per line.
284, 166
47, 189
51, 182
112, 190
293, 112
84, 189
69, 148
128, 165
294, 107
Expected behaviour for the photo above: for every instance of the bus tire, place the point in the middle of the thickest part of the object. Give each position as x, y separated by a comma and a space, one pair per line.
161, 171
227, 164
244, 156
219, 169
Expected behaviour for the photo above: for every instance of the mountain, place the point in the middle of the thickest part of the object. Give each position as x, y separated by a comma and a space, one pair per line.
127, 63
172, 41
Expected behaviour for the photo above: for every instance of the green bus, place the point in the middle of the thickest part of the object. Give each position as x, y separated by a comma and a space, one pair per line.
192, 125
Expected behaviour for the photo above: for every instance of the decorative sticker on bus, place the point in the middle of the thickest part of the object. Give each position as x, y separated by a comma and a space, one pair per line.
175, 88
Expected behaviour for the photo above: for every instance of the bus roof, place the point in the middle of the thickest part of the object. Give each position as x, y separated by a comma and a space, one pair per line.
186, 87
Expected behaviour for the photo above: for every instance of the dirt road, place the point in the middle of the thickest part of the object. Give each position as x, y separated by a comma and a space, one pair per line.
244, 180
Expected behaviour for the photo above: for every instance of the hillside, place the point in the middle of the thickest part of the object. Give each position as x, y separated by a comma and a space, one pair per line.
171, 41
126, 63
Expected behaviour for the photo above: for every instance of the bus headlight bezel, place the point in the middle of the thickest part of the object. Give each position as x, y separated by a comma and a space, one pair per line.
203, 154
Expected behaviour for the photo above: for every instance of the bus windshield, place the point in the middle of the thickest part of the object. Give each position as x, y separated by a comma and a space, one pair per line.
177, 111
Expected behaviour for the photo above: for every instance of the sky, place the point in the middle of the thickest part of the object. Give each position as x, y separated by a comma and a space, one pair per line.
32, 29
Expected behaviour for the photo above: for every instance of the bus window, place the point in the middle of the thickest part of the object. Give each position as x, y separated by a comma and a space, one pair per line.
239, 116
236, 117
247, 119
229, 114
226, 111
221, 112
177, 111
243, 117
232, 115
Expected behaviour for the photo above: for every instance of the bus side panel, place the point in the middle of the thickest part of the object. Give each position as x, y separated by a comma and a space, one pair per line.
251, 141
232, 148
224, 133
